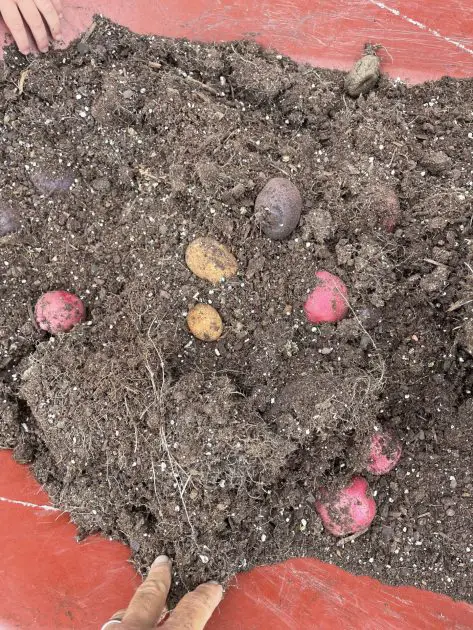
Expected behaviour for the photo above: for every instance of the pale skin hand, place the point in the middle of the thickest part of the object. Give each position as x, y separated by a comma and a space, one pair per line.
149, 602
38, 15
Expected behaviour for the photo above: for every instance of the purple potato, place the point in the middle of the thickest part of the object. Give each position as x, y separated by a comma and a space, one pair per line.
9, 222
278, 208
51, 181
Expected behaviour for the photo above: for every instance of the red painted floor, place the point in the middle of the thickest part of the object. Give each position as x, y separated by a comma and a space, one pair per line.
51, 582
424, 39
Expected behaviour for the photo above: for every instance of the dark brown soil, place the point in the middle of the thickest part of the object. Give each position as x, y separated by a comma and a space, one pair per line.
214, 452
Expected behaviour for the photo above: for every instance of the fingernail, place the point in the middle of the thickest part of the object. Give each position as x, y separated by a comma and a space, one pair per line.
213, 583
44, 49
58, 36
26, 51
160, 560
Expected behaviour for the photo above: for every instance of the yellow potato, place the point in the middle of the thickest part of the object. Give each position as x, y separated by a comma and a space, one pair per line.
210, 260
205, 323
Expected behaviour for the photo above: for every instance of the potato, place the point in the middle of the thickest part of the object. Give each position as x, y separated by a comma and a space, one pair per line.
384, 201
385, 452
50, 180
9, 222
350, 510
328, 302
205, 322
278, 208
210, 260
59, 311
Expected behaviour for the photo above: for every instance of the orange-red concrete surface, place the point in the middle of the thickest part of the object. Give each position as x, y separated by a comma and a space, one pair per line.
424, 39
52, 582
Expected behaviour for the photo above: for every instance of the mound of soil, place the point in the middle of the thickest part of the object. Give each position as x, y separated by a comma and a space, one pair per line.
115, 155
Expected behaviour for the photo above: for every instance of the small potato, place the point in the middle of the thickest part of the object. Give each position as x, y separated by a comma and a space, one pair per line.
49, 181
205, 323
385, 452
210, 260
8, 221
383, 199
59, 311
278, 208
328, 302
350, 510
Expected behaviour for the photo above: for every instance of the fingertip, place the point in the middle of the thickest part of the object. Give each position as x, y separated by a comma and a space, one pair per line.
161, 560
214, 589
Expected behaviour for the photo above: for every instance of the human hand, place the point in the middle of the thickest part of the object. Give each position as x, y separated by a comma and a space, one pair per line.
35, 14
149, 602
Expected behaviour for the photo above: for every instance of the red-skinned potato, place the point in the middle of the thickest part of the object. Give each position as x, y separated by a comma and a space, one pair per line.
328, 302
349, 510
278, 208
59, 311
385, 452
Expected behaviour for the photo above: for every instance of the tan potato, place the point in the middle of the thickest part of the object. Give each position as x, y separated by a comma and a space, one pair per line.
210, 260
205, 322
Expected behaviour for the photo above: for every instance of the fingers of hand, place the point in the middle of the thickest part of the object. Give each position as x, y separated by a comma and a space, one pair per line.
118, 616
149, 601
18, 12
32, 17
114, 621
50, 13
196, 608
12, 18
58, 6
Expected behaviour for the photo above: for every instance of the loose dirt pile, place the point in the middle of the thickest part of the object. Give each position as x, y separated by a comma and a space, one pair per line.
118, 153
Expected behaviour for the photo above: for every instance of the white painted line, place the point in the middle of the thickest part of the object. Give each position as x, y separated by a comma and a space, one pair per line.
421, 26
46, 508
